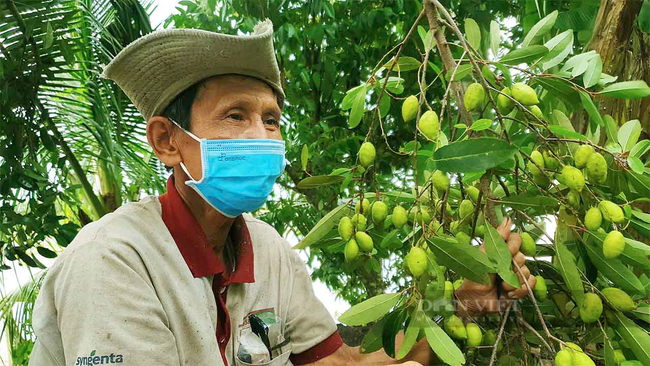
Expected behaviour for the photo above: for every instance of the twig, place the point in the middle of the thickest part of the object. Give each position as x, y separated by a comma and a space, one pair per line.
500, 334
536, 333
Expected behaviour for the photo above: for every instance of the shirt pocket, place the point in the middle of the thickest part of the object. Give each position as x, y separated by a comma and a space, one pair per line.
281, 360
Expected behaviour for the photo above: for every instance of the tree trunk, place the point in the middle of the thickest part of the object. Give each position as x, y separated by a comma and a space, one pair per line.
625, 51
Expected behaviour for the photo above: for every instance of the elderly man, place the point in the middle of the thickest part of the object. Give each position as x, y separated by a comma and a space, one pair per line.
187, 278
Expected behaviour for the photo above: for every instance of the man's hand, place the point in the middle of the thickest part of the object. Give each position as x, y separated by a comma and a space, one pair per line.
476, 298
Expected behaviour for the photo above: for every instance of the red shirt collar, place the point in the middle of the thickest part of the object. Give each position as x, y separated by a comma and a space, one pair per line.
194, 246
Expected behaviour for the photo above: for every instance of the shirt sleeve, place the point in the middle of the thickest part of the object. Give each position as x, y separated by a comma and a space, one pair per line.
108, 310
312, 329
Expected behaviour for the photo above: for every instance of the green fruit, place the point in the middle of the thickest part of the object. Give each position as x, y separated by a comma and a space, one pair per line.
474, 97
591, 308
351, 250
474, 335
581, 359
613, 245
455, 327
345, 228
364, 241
528, 246
473, 193
440, 181
420, 214
538, 158
365, 205
458, 283
564, 358
573, 178
536, 112
490, 338
581, 155
611, 212
434, 226
399, 217
524, 94
597, 169
429, 125
619, 357
359, 222
480, 231
593, 219
449, 291
618, 299
550, 162
367, 154
573, 346
505, 104
466, 209
574, 199
540, 290
463, 238
417, 261
410, 108
379, 212
453, 227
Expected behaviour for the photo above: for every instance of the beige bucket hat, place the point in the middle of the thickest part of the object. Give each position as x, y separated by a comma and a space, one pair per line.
155, 68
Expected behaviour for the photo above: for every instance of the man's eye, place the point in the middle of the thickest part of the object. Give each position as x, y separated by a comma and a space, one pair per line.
273, 121
236, 116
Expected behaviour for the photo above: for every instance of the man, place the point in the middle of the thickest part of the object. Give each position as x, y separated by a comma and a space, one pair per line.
187, 278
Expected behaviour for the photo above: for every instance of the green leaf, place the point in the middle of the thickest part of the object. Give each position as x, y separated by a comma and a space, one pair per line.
567, 268
489, 75
304, 157
404, 63
390, 238
560, 89
370, 310
640, 182
466, 260
49, 36
481, 124
629, 134
592, 111
637, 89
323, 226
393, 325
411, 334
559, 47
594, 70
578, 63
565, 132
640, 149
541, 28
473, 155
495, 37
524, 55
505, 71
524, 202
462, 71
372, 341
426, 38
615, 271
497, 250
635, 164
636, 337
441, 344
611, 128
47, 253
355, 100
319, 181
473, 33
642, 312
634, 254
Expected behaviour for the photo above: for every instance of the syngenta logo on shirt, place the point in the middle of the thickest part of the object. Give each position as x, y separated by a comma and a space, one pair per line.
98, 360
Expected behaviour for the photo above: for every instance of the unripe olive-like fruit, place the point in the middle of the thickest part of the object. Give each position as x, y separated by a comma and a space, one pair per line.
618, 299
379, 212
611, 212
410, 108
593, 219
505, 104
613, 245
524, 94
480, 231
466, 209
346, 228
538, 158
363, 204
490, 338
449, 291
550, 162
597, 169
359, 221
573, 178
474, 97
463, 238
619, 357
536, 112
591, 308
417, 261
351, 250
400, 217
574, 199
581, 359
364, 241
474, 335
564, 358
528, 246
367, 154
455, 327
582, 154
429, 125
473, 193
440, 181
434, 226
540, 290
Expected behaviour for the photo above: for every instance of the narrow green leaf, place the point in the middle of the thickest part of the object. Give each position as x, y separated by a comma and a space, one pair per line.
372, 341
441, 344
505, 71
640, 148
370, 310
489, 75
636, 337
323, 226
473, 155
635, 164
466, 260
473, 33
358, 107
637, 89
565, 132
629, 134
561, 89
411, 334
559, 47
304, 157
592, 111
642, 312
611, 128
462, 72
426, 38
524, 55
49, 36
615, 271
541, 28
495, 37
404, 63
481, 124
319, 181
497, 250
47, 253
594, 70
640, 182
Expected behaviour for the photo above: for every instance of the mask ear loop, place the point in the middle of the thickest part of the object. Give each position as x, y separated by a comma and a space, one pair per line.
192, 136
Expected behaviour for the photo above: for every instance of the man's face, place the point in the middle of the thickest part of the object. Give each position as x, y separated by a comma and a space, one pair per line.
229, 107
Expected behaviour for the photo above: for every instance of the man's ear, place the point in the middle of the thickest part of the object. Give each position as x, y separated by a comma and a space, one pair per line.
160, 134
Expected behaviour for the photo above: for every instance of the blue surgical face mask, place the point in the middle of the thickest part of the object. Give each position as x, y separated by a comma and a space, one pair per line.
238, 175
